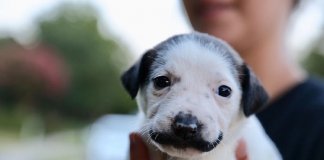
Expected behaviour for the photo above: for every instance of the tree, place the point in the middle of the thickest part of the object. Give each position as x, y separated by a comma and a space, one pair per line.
94, 62
314, 62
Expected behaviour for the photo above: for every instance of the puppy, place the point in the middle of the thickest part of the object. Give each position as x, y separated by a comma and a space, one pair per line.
197, 98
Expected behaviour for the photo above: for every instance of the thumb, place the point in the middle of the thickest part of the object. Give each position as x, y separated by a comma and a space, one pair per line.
241, 150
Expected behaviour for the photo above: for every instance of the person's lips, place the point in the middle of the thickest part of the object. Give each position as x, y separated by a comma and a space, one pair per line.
207, 9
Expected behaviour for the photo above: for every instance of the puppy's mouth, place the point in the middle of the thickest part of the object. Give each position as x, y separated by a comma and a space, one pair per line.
195, 142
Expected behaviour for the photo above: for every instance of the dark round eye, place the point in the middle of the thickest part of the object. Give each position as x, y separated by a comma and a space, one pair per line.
161, 82
224, 91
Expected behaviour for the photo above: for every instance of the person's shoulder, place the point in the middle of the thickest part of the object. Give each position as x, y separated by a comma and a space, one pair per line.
313, 93
315, 130
303, 103
295, 121
310, 98
316, 84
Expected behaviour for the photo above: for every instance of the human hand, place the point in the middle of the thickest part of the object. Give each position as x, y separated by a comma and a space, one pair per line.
241, 150
139, 151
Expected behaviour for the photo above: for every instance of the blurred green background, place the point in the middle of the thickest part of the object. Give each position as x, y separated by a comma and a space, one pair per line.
68, 76
58, 84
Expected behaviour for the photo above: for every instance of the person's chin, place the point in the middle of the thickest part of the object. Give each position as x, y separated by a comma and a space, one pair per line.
230, 34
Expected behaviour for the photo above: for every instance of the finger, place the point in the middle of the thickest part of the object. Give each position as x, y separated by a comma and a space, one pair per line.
138, 149
241, 151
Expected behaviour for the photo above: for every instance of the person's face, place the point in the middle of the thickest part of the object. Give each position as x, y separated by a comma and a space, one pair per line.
242, 23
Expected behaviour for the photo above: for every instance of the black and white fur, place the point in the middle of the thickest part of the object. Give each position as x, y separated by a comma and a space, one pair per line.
187, 111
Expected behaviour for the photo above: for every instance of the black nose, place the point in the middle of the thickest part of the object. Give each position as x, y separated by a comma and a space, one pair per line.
185, 126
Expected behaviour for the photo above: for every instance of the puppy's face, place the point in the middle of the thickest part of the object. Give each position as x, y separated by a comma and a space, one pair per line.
190, 90
191, 97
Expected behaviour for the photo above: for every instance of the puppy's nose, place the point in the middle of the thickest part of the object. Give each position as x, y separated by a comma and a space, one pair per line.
185, 126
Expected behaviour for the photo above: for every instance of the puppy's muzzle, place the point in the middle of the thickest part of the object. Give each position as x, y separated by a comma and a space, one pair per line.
185, 132
185, 126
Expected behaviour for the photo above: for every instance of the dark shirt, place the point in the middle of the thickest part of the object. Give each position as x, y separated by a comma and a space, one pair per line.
295, 121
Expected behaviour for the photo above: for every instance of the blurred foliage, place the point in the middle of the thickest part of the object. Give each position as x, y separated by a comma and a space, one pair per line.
93, 64
6, 41
314, 62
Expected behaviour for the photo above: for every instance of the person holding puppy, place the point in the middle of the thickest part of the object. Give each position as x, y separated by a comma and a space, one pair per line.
294, 118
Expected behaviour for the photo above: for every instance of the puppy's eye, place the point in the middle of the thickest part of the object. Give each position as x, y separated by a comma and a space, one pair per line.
224, 91
161, 82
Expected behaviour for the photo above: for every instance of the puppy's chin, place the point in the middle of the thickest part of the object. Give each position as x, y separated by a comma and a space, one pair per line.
180, 153
188, 147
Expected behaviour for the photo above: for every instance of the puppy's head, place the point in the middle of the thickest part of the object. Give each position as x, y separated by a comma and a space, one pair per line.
193, 89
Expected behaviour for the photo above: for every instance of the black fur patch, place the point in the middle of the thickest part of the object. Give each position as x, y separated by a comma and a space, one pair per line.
254, 96
137, 75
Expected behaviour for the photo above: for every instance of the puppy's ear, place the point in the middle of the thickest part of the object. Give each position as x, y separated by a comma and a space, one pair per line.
254, 96
135, 77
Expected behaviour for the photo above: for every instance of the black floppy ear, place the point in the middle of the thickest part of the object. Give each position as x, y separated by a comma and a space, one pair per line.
254, 96
136, 76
